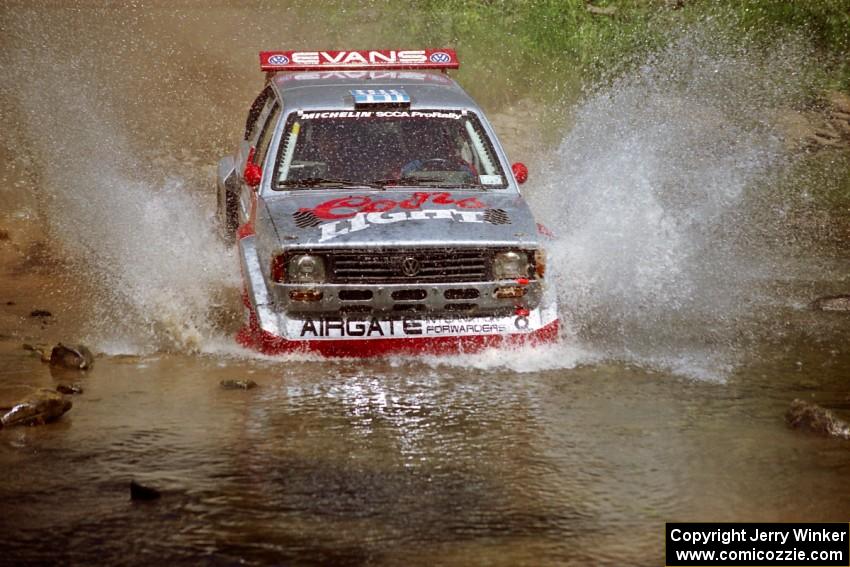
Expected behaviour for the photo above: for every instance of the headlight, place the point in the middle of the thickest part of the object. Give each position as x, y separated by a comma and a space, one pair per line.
305, 268
510, 265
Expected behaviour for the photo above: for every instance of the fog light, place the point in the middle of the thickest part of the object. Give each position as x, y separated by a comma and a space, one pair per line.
509, 292
305, 295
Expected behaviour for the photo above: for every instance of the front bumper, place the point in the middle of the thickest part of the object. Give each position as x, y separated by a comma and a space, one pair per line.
274, 331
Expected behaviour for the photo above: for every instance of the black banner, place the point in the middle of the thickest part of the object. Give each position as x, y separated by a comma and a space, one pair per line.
738, 544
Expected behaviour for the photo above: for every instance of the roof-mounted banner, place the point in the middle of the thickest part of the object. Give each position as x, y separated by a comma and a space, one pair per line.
271, 61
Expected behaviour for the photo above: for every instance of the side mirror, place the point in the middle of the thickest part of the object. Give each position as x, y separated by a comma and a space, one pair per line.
520, 172
253, 174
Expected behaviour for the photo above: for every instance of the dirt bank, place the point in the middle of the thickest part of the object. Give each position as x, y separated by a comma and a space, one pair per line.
824, 124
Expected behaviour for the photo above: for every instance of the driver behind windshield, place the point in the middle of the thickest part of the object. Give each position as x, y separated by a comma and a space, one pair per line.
434, 153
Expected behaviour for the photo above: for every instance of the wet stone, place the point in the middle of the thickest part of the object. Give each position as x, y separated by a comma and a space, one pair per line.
808, 384
40, 407
238, 384
813, 418
832, 303
42, 351
74, 357
142, 492
66, 388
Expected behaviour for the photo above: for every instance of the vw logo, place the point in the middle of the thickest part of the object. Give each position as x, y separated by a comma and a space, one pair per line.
278, 59
440, 57
410, 266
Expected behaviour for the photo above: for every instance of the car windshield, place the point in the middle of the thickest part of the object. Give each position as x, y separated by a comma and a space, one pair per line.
427, 148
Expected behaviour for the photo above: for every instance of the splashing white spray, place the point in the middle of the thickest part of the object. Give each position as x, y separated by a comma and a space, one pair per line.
652, 191
140, 234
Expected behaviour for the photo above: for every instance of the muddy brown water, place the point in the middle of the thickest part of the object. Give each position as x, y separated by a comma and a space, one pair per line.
404, 462
498, 460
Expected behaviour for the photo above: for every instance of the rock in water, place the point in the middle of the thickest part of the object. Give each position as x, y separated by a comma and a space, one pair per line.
142, 492
43, 351
238, 384
42, 406
65, 388
832, 303
811, 417
74, 357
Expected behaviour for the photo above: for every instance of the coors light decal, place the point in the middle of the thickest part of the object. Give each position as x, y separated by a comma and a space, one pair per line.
355, 213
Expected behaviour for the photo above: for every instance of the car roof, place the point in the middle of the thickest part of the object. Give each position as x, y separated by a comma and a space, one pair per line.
331, 90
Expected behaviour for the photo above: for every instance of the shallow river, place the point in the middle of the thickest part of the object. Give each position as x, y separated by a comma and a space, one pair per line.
689, 331
404, 462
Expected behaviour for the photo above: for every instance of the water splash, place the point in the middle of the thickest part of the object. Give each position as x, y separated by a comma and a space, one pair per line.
652, 193
141, 234
519, 359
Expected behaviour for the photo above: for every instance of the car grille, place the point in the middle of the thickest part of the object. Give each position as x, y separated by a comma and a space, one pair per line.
409, 266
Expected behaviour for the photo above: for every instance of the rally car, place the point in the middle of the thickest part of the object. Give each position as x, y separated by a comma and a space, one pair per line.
374, 211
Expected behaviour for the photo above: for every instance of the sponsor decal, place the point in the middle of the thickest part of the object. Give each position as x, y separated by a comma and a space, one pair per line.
337, 114
440, 57
348, 207
363, 221
361, 212
379, 114
279, 59
365, 59
376, 75
335, 327
410, 57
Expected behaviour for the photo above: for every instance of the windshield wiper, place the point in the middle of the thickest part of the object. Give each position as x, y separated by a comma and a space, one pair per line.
325, 182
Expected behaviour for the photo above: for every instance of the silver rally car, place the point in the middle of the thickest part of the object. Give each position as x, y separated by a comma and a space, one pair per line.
375, 211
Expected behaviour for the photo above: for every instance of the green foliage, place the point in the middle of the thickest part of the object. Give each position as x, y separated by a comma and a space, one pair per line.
542, 38
538, 36
825, 23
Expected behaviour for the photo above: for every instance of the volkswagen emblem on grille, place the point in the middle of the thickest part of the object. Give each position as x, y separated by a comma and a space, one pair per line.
410, 266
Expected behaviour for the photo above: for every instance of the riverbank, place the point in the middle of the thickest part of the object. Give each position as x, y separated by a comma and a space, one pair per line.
602, 38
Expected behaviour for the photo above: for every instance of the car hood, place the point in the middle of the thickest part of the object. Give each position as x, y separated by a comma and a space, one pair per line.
330, 219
